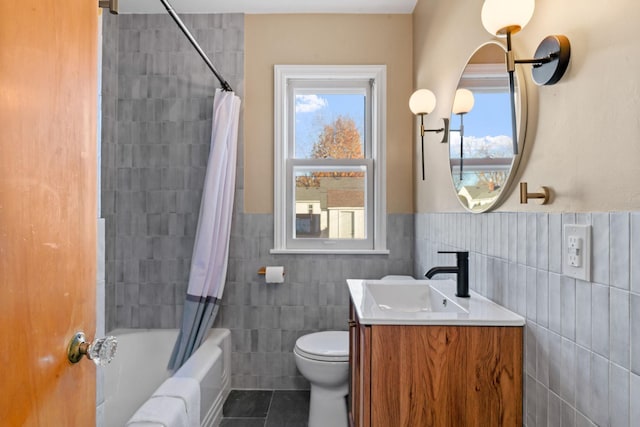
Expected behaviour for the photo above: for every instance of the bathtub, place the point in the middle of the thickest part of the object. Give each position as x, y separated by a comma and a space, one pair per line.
140, 366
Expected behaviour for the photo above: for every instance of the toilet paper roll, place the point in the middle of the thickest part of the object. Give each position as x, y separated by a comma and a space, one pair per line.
274, 274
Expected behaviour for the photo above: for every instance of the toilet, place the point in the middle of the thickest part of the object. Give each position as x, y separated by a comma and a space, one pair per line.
323, 359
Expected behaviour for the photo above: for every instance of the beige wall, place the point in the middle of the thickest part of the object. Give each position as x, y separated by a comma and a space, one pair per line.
583, 137
326, 39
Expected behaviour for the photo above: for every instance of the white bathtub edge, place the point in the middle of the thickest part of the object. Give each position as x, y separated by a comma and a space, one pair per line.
210, 365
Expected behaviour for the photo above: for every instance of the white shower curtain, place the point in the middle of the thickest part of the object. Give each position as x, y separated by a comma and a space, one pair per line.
211, 247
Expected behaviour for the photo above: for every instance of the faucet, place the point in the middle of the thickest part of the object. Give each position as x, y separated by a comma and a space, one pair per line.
461, 270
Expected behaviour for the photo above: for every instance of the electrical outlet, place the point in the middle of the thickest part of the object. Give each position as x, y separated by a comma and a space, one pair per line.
576, 251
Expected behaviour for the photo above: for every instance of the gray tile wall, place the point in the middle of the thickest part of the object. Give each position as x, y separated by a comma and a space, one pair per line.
266, 319
156, 126
582, 339
157, 107
108, 147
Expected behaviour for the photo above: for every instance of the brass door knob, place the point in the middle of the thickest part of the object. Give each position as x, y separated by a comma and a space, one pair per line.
100, 350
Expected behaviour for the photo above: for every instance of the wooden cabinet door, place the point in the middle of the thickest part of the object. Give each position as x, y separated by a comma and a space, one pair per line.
446, 376
48, 113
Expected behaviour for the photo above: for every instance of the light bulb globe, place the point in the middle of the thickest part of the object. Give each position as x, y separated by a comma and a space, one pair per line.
423, 101
463, 101
500, 17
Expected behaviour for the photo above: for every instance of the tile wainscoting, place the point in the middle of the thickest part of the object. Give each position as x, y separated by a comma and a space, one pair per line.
266, 319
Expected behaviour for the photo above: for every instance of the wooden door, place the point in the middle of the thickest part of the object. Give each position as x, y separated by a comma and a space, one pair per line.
48, 113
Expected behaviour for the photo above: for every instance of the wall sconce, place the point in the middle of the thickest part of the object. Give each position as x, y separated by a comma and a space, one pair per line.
462, 104
421, 103
503, 18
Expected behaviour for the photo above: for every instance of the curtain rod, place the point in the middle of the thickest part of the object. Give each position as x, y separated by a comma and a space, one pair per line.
225, 86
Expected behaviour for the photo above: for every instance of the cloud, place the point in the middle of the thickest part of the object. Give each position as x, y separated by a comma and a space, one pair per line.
500, 146
309, 103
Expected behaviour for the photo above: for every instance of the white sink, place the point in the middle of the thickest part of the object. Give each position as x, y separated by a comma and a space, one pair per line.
408, 297
393, 301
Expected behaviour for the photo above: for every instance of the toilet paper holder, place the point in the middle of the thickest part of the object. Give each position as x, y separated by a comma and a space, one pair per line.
263, 271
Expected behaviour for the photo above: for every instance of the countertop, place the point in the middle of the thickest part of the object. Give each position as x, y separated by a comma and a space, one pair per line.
480, 310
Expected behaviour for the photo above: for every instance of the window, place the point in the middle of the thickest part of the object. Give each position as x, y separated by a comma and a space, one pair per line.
329, 159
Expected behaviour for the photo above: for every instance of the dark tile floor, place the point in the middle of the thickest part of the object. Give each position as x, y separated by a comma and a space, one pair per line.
266, 408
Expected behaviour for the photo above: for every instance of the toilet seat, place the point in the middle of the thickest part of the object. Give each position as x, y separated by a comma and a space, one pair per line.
326, 346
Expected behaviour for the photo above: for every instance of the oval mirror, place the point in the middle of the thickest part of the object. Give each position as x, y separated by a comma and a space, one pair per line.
481, 149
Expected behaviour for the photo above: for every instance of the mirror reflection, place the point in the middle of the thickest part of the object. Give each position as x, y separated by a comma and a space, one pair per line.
481, 143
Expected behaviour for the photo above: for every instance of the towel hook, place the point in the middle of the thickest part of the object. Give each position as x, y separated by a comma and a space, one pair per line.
525, 195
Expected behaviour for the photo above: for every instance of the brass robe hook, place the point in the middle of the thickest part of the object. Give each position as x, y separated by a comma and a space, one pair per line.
525, 196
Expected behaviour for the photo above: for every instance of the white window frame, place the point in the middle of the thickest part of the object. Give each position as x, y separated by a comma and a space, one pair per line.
284, 162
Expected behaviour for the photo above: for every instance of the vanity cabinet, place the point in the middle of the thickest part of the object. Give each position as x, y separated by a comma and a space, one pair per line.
434, 375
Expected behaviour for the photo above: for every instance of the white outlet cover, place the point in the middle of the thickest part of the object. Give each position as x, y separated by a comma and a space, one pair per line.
583, 232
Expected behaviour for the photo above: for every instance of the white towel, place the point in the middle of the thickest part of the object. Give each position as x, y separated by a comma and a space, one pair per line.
160, 411
186, 389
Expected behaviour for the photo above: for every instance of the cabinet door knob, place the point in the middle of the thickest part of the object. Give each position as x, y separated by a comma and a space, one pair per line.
100, 350
352, 323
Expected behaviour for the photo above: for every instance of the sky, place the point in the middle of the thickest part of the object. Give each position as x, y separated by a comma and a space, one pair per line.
487, 132
491, 115
313, 111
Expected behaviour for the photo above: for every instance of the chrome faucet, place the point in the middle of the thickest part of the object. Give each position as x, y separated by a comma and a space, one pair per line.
461, 270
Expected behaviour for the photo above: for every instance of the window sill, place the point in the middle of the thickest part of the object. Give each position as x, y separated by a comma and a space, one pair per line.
330, 251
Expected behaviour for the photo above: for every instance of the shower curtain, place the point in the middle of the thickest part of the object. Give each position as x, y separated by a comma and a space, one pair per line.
211, 247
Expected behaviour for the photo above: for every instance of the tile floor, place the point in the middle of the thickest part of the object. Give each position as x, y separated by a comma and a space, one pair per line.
266, 408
